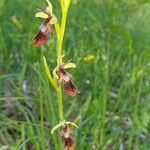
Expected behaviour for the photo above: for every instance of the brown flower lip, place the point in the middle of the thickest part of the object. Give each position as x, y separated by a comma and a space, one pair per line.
69, 143
45, 29
70, 88
66, 78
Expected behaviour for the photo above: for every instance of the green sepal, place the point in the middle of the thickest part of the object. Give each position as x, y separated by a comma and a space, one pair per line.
41, 15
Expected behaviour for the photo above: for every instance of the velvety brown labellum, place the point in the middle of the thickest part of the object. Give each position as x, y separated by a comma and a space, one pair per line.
39, 39
70, 89
42, 36
69, 144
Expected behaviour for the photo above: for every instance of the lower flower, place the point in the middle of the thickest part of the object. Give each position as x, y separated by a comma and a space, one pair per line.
69, 143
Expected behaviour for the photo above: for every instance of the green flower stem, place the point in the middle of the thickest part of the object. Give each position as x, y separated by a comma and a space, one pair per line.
60, 30
60, 103
61, 34
62, 4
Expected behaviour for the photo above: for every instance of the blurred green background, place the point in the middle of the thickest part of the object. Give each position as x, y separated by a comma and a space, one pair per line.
109, 40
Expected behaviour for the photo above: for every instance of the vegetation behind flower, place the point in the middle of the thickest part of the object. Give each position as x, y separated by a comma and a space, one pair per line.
60, 75
109, 42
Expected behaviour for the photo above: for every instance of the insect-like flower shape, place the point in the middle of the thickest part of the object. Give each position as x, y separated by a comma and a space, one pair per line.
66, 132
46, 27
65, 78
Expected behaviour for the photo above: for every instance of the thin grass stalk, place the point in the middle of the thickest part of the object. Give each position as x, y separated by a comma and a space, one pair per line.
42, 116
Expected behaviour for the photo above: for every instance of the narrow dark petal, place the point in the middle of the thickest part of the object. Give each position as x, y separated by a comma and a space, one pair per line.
62, 71
70, 88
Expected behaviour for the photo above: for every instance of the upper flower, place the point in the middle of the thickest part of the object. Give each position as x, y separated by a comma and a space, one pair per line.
48, 13
46, 27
